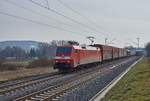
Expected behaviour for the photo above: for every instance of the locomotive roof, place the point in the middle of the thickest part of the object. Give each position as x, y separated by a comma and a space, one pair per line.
80, 47
91, 47
87, 48
100, 45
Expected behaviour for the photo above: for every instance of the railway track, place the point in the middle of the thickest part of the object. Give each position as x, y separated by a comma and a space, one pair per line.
11, 88
59, 89
54, 92
10, 84
53, 87
35, 84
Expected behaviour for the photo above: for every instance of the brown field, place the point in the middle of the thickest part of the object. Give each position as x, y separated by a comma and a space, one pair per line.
24, 72
10, 70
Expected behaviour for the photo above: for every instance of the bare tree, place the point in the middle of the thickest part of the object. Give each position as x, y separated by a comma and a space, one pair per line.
148, 49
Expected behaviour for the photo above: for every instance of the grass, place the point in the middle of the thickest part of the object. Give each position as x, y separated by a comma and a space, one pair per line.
12, 70
134, 86
24, 72
40, 63
12, 65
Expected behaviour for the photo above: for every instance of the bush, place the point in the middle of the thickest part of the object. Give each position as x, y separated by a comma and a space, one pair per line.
148, 49
40, 63
7, 65
4, 67
1, 62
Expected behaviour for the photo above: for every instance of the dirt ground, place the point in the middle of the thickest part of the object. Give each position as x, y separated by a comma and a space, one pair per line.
9, 75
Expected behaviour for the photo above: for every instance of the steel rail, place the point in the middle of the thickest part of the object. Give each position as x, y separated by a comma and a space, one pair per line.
58, 90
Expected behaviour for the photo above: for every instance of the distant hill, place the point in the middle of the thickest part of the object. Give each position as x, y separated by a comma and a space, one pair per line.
26, 45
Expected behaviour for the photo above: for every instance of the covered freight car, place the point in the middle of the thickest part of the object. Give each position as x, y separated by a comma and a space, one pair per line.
110, 52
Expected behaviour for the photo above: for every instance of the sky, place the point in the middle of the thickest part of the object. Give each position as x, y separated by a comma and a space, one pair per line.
120, 21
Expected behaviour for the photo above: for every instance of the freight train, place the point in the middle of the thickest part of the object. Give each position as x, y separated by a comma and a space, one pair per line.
71, 57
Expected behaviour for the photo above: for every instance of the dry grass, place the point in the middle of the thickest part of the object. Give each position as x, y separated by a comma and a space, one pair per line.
12, 65
23, 72
10, 70
40, 63
135, 86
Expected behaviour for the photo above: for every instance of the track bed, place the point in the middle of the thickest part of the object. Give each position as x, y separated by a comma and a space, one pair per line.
69, 86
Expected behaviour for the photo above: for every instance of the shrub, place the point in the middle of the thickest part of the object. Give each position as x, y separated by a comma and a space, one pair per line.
40, 63
4, 67
1, 62
10, 66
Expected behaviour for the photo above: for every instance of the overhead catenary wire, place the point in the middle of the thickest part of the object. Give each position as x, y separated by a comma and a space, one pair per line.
78, 13
56, 27
69, 18
37, 13
122, 42
83, 16
39, 23
47, 3
133, 42
46, 16
43, 15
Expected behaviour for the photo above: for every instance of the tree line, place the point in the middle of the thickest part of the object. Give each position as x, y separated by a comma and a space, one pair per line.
148, 49
44, 50
17, 53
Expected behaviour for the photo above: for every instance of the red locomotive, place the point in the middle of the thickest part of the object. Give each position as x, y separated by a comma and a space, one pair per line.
71, 57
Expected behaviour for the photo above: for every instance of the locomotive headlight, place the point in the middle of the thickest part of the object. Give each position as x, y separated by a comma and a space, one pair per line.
68, 61
56, 61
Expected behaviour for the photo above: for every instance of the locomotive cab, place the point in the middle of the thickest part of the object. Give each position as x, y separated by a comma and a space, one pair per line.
63, 59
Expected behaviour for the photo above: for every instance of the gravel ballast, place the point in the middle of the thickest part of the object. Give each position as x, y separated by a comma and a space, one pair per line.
87, 91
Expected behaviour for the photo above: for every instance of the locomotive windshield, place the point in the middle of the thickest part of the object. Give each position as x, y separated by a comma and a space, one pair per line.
63, 50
